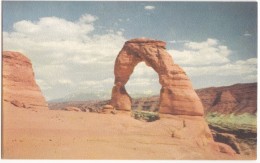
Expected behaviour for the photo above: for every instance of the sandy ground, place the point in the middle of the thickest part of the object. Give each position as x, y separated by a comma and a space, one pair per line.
49, 134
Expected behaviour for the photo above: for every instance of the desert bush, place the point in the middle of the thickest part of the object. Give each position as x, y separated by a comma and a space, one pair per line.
145, 115
242, 121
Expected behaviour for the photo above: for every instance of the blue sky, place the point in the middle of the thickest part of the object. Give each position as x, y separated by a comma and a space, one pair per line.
73, 45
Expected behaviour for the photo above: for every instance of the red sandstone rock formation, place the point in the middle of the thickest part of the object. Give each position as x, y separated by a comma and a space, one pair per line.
19, 86
177, 95
237, 99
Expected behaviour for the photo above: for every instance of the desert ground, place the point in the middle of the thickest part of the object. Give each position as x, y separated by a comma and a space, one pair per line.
56, 134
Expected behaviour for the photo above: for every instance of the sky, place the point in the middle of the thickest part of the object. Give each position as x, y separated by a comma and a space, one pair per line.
73, 45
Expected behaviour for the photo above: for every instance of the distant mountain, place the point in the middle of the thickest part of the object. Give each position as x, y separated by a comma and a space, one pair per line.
236, 99
97, 96
83, 97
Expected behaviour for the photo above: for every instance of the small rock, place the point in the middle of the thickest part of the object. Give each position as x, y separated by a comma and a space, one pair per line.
108, 107
18, 104
224, 148
70, 108
184, 123
176, 134
114, 112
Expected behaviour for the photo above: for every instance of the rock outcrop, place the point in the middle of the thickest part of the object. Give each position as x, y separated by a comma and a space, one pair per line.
236, 99
228, 139
177, 96
224, 148
19, 86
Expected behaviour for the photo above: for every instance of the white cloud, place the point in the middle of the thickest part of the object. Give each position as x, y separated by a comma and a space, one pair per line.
44, 85
88, 83
139, 82
143, 71
149, 7
65, 52
119, 33
52, 29
209, 43
246, 34
65, 81
178, 41
105, 84
231, 69
87, 18
211, 58
202, 53
251, 78
144, 80
172, 42
68, 57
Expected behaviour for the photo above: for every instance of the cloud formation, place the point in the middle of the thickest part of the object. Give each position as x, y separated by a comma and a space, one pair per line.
65, 53
210, 58
246, 34
202, 53
68, 57
149, 7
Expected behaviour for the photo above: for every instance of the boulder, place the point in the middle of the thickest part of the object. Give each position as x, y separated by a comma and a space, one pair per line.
224, 148
108, 107
228, 139
18, 104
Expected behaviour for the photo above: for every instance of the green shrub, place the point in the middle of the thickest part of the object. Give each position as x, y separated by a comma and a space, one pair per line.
242, 121
145, 115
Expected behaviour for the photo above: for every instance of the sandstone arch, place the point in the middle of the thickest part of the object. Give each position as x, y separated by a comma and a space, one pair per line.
177, 96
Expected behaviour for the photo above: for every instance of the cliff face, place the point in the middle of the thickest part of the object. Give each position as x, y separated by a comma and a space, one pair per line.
19, 86
237, 99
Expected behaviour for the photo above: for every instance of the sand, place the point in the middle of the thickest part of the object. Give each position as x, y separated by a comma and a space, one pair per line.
50, 134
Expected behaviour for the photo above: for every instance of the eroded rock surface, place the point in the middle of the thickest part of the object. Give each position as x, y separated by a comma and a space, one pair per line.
19, 86
237, 99
177, 95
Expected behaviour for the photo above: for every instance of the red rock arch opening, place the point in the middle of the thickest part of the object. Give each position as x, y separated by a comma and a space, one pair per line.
176, 96
143, 82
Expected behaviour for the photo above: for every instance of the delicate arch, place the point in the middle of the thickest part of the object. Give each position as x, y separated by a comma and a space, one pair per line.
176, 96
